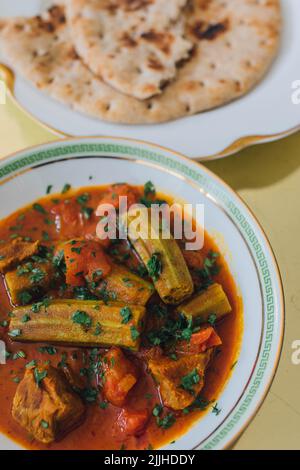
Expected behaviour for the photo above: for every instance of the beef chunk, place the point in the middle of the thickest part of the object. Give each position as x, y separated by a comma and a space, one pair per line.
180, 381
45, 405
16, 251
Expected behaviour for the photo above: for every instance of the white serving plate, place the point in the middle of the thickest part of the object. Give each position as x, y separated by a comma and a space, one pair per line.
266, 113
25, 176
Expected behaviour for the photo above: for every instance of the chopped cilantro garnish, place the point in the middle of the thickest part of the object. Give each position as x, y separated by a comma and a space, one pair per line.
15, 333
25, 318
83, 198
45, 236
98, 329
31, 364
39, 208
44, 424
134, 333
36, 275
126, 314
39, 375
149, 189
166, 422
157, 410
24, 297
77, 250
212, 319
103, 405
82, 318
190, 380
48, 349
154, 266
87, 212
216, 410
66, 188
19, 355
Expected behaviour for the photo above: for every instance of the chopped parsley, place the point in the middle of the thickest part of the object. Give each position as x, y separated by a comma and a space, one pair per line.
24, 297
39, 208
19, 355
82, 318
98, 329
31, 364
126, 315
103, 405
212, 318
171, 331
39, 376
15, 333
190, 380
209, 270
66, 188
134, 333
83, 198
83, 293
45, 236
25, 318
166, 422
216, 410
157, 410
149, 189
36, 275
89, 395
77, 250
44, 424
154, 266
36, 307
87, 212
48, 349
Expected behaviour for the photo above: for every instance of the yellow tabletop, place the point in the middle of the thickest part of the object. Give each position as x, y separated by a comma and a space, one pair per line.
268, 179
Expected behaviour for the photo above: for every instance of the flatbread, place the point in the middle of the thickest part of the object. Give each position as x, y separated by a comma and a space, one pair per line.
235, 43
133, 45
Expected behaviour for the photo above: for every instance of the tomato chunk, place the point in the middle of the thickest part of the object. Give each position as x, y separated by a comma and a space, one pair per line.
201, 341
133, 422
117, 190
85, 259
67, 219
194, 259
120, 375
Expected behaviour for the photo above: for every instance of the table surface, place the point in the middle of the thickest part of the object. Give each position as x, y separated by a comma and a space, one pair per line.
267, 177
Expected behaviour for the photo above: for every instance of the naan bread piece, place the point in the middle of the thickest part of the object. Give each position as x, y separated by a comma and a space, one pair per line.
235, 43
133, 45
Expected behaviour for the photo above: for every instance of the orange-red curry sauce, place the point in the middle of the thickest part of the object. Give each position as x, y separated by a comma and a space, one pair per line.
99, 430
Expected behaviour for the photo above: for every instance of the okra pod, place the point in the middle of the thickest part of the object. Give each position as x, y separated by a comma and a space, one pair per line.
28, 280
123, 285
79, 323
212, 301
162, 257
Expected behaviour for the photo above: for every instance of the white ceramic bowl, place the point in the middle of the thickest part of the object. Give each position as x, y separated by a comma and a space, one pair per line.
25, 176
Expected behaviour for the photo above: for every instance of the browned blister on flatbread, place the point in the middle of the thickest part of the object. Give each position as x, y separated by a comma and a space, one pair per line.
134, 46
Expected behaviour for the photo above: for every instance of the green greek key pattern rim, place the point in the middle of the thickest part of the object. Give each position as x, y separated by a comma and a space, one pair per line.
208, 185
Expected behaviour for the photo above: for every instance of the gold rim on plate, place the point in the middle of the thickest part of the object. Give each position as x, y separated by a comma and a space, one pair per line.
241, 143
